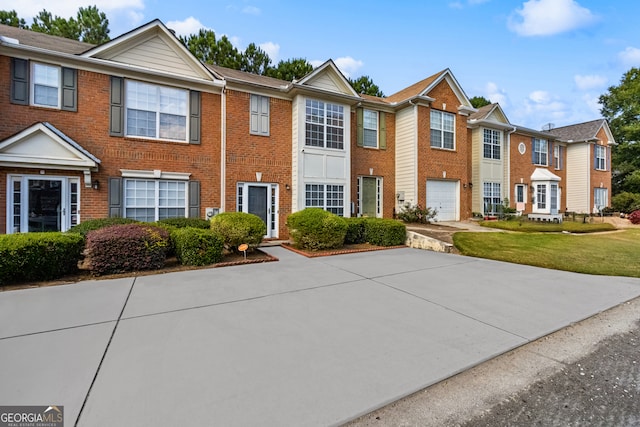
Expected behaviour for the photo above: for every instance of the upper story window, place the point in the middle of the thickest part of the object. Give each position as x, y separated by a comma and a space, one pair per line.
540, 152
154, 111
259, 115
370, 127
492, 144
324, 124
557, 156
600, 157
442, 130
43, 85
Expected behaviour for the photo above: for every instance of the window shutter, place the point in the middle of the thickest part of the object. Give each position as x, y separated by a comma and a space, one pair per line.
533, 150
116, 111
560, 154
194, 117
254, 121
19, 81
383, 130
115, 197
360, 127
550, 155
264, 115
595, 157
608, 158
69, 89
194, 199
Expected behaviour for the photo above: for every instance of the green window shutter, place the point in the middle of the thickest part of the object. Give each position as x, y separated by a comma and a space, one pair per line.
550, 154
115, 197
116, 111
19, 81
69, 89
383, 130
360, 127
194, 199
194, 117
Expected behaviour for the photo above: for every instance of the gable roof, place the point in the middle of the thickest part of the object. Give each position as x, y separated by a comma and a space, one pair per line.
415, 89
583, 132
248, 78
490, 115
327, 77
41, 40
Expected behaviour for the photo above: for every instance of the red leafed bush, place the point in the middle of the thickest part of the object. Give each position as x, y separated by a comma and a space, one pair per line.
634, 217
130, 247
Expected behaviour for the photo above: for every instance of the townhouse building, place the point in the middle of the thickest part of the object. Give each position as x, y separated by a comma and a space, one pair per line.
138, 127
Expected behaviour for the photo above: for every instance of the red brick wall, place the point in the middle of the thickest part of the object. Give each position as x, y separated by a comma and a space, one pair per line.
432, 162
89, 127
381, 160
247, 154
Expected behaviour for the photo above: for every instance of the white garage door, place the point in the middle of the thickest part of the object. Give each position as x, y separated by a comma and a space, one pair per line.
443, 196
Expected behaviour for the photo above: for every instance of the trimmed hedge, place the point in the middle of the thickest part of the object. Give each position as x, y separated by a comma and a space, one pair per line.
195, 246
127, 247
96, 224
355, 231
634, 217
38, 256
385, 232
186, 222
315, 229
237, 228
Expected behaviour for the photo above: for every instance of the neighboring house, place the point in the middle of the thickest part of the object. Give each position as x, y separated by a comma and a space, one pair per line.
139, 128
588, 170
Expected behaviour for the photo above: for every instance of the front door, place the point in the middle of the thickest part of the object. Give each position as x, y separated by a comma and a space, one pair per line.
261, 200
369, 197
38, 204
258, 202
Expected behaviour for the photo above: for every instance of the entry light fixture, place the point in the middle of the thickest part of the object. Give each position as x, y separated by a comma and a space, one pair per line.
95, 184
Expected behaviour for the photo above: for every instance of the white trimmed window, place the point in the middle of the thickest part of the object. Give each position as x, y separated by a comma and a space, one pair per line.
370, 126
151, 200
324, 125
45, 85
601, 157
442, 130
492, 144
540, 152
259, 115
154, 111
326, 196
600, 198
541, 196
492, 197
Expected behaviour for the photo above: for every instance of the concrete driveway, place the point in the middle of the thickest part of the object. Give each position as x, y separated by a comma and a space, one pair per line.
299, 342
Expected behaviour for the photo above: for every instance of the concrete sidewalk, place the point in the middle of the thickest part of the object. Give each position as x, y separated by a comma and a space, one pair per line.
296, 342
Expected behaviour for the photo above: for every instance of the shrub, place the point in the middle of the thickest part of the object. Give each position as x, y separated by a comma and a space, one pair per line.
195, 246
127, 247
315, 228
38, 256
415, 213
355, 231
625, 202
95, 224
634, 217
186, 222
385, 232
237, 228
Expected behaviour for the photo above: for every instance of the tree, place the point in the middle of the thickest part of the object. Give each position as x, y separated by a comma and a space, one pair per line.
621, 107
46, 23
11, 18
365, 85
291, 69
479, 101
255, 60
207, 48
90, 25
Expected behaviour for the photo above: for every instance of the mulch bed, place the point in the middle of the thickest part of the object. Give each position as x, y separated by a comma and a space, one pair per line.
346, 249
171, 265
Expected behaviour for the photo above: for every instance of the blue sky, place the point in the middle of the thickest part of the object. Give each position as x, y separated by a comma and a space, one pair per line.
544, 61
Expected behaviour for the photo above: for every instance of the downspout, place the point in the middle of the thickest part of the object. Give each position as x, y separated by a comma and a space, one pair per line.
415, 156
223, 149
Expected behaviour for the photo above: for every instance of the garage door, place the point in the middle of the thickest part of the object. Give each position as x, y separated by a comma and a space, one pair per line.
443, 196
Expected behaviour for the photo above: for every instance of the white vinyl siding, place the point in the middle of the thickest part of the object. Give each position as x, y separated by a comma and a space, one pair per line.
259, 115
578, 193
406, 155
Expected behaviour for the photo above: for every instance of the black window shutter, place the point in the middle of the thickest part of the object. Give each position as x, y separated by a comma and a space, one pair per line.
19, 81
383, 130
69, 89
194, 117
533, 152
116, 112
115, 197
194, 199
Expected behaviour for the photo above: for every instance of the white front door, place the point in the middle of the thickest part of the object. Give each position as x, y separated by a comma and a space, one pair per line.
37, 203
443, 196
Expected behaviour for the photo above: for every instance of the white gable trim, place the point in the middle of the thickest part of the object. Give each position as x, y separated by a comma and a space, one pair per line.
330, 70
54, 151
465, 104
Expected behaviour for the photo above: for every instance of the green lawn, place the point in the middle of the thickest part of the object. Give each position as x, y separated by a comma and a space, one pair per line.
614, 254
532, 226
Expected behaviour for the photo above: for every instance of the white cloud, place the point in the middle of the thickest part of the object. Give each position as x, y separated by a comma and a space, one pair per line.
251, 10
272, 49
494, 94
316, 63
540, 107
592, 104
590, 82
540, 97
348, 66
456, 5
186, 27
548, 17
630, 57
27, 9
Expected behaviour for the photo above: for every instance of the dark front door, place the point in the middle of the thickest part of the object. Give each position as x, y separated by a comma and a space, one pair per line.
45, 205
258, 202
